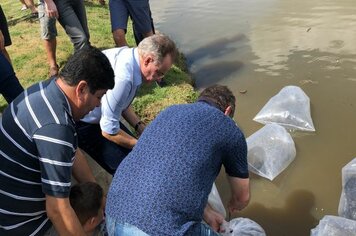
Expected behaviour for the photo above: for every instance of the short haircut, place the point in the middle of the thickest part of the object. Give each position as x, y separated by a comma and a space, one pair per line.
221, 96
91, 65
158, 46
86, 199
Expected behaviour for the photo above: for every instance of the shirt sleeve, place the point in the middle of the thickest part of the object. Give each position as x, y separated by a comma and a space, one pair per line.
235, 161
56, 145
113, 104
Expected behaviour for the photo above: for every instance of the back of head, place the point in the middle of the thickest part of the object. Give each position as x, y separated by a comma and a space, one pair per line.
221, 96
86, 200
91, 65
158, 46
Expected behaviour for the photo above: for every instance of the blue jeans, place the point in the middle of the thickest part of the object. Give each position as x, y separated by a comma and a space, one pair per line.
106, 153
73, 18
10, 86
205, 230
117, 229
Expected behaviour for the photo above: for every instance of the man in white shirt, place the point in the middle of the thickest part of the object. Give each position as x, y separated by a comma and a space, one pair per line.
100, 133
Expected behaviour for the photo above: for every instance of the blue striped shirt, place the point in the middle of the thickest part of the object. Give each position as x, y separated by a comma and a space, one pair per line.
37, 148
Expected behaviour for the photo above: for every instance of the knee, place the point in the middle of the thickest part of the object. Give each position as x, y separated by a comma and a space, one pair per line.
80, 41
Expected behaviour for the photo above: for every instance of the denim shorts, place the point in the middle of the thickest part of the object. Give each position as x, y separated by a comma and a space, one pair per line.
139, 11
48, 25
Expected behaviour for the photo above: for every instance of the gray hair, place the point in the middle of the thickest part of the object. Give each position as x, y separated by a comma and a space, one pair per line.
158, 46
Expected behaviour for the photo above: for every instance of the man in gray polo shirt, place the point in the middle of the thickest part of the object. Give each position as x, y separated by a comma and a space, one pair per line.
38, 147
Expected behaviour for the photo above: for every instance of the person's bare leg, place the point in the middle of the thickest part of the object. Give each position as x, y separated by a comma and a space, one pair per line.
50, 46
24, 6
30, 4
119, 37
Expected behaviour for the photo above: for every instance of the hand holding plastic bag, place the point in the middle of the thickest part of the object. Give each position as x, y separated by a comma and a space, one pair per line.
215, 201
242, 227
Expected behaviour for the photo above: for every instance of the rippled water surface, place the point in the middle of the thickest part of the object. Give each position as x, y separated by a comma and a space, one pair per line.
261, 46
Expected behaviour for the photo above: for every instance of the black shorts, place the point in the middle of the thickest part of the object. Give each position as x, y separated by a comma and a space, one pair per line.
4, 29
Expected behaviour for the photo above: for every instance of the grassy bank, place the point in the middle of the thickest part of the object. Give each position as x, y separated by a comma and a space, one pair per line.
30, 63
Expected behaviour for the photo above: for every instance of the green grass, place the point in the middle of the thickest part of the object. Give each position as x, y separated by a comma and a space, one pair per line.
30, 63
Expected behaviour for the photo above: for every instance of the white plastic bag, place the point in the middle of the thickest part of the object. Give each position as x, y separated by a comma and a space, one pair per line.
242, 227
289, 108
347, 204
215, 201
334, 226
270, 150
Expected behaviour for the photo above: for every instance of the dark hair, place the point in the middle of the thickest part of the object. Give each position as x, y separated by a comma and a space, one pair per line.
86, 200
91, 65
221, 96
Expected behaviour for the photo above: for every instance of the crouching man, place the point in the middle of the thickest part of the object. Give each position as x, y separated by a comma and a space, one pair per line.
162, 186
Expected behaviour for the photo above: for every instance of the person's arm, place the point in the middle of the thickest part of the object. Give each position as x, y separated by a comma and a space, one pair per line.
51, 9
121, 138
132, 118
63, 216
81, 169
240, 194
213, 218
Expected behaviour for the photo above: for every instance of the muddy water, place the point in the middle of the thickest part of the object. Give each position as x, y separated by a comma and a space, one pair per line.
261, 46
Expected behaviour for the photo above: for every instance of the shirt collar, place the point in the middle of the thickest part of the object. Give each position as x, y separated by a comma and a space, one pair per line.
60, 94
137, 76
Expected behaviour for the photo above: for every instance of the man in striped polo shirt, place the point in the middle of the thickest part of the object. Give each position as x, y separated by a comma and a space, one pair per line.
38, 147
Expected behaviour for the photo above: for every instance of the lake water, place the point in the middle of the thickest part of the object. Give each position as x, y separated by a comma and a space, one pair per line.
261, 46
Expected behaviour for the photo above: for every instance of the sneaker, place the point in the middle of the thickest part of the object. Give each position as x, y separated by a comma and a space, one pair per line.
24, 7
34, 15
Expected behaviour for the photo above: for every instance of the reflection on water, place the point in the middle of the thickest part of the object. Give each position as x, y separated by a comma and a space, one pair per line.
295, 215
261, 46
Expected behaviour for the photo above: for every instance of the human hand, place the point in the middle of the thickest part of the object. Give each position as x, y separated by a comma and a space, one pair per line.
213, 218
2, 41
51, 9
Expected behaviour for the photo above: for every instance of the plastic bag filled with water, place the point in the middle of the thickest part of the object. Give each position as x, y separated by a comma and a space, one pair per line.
347, 204
334, 226
242, 227
215, 202
289, 108
270, 150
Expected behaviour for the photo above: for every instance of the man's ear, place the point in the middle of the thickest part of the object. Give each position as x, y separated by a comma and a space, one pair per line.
90, 224
82, 89
147, 60
228, 111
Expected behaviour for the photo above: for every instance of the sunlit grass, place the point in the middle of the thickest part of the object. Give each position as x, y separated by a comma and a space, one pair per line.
30, 62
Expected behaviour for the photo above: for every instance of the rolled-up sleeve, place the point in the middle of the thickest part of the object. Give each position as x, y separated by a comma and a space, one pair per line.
113, 104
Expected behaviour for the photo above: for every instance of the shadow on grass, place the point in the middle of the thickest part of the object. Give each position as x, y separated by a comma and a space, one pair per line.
97, 5
29, 18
